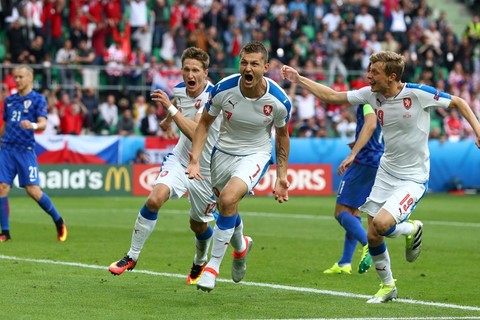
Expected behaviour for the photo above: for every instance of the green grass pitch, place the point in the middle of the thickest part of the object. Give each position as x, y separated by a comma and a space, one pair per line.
294, 242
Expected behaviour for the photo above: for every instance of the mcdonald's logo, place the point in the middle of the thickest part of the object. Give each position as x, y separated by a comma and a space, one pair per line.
117, 174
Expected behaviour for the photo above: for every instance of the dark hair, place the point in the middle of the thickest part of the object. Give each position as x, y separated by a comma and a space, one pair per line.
255, 47
196, 54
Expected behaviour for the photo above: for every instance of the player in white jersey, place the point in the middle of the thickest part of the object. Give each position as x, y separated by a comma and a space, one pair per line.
402, 178
190, 97
249, 104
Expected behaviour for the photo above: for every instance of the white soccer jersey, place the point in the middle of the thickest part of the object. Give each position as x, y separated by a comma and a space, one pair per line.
405, 121
247, 123
190, 107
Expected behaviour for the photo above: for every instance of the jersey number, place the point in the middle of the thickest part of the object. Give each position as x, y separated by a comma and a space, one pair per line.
16, 116
33, 173
406, 202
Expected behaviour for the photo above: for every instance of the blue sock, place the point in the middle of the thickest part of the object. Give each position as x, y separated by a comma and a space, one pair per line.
239, 220
353, 225
47, 205
349, 245
4, 214
378, 250
225, 223
148, 214
207, 234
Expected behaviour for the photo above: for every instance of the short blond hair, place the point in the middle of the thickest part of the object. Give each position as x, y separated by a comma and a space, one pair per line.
392, 62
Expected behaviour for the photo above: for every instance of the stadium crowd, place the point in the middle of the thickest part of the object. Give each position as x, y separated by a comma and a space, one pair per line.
97, 61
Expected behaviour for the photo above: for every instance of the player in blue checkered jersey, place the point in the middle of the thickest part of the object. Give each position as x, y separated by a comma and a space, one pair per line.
24, 112
359, 169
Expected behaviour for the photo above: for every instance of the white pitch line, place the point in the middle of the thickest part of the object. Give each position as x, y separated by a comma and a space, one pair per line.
255, 284
416, 318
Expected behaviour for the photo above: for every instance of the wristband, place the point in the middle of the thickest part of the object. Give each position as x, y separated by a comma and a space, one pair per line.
34, 126
172, 110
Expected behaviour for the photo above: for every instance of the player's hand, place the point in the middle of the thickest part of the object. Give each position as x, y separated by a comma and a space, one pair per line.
289, 73
193, 169
347, 162
281, 190
26, 124
161, 97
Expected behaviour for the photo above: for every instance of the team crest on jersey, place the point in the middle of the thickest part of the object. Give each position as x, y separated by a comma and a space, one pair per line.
407, 103
267, 109
26, 105
163, 173
198, 103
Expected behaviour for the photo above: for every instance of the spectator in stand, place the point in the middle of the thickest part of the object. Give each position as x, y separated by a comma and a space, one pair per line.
456, 77
53, 120
453, 126
134, 68
66, 57
139, 20
141, 157
36, 52
332, 20
390, 44
33, 18
85, 58
115, 59
150, 124
16, 40
347, 125
52, 20
108, 115
335, 50
364, 20
316, 11
139, 109
334, 110
125, 126
113, 15
162, 17
92, 117
78, 31
71, 118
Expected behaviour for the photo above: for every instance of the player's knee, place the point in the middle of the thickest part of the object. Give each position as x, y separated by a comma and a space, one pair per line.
198, 227
381, 227
154, 203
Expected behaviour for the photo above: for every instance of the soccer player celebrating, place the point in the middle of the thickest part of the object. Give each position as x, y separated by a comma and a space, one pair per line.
358, 169
402, 178
24, 112
190, 97
250, 105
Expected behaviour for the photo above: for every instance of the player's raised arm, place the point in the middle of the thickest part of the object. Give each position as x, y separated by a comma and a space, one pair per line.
468, 114
198, 142
324, 93
282, 151
185, 125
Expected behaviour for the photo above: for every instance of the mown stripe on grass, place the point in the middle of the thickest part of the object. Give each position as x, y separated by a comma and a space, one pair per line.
255, 284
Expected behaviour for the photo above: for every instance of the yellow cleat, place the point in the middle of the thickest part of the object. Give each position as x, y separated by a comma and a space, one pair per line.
336, 269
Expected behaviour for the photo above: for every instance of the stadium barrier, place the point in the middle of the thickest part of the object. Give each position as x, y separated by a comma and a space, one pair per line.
453, 165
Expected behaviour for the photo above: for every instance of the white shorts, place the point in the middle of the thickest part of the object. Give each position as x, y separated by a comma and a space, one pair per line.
398, 197
200, 194
250, 169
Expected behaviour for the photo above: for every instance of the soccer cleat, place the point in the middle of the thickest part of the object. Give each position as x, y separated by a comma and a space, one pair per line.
336, 269
366, 260
195, 273
118, 267
207, 280
62, 232
239, 263
4, 237
414, 241
386, 293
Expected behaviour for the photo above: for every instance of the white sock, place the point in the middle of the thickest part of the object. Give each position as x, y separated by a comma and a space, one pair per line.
201, 247
402, 229
142, 230
238, 241
382, 266
221, 239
